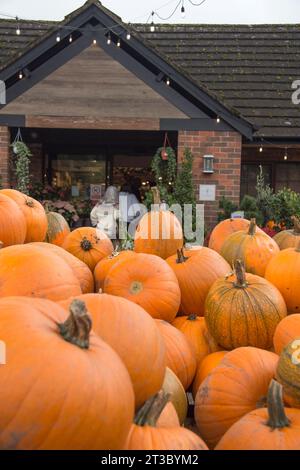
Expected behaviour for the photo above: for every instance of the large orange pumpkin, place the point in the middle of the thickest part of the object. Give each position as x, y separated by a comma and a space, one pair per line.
243, 310
289, 238
274, 428
254, 247
196, 272
148, 281
145, 435
120, 324
224, 229
158, 233
79, 268
195, 330
105, 265
174, 388
283, 272
205, 367
65, 388
12, 222
287, 330
34, 213
88, 244
26, 270
181, 359
288, 372
237, 386
58, 228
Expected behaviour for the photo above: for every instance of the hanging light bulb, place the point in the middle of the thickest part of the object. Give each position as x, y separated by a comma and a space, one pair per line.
152, 25
182, 10
168, 81
18, 30
58, 38
20, 75
70, 38
119, 42
218, 120
128, 36
108, 41
261, 148
285, 154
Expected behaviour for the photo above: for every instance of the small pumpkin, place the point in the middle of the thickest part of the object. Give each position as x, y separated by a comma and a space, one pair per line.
195, 330
205, 368
174, 388
254, 247
120, 324
65, 388
12, 222
288, 373
181, 359
289, 238
224, 229
88, 244
145, 435
274, 428
243, 310
287, 330
58, 228
105, 265
237, 386
148, 281
34, 213
158, 233
196, 272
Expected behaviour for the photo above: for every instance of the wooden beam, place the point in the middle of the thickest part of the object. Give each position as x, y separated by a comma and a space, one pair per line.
12, 120
70, 122
201, 124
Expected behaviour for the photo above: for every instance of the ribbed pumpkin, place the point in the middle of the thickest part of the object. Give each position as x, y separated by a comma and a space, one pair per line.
26, 270
158, 233
288, 373
12, 222
195, 330
34, 213
148, 281
205, 368
224, 229
145, 435
79, 268
196, 272
287, 330
105, 265
283, 272
274, 428
88, 244
254, 247
65, 388
289, 238
237, 386
243, 310
178, 398
58, 228
181, 359
120, 323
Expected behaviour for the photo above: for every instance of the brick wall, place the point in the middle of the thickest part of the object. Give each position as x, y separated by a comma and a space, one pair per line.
226, 148
4, 155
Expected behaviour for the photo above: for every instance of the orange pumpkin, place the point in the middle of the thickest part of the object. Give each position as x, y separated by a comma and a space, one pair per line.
287, 372
72, 386
158, 233
168, 417
120, 323
34, 213
145, 435
205, 367
289, 238
88, 244
195, 330
287, 330
254, 247
12, 222
148, 281
26, 270
196, 272
283, 272
181, 359
79, 268
178, 398
105, 265
274, 428
243, 310
58, 228
223, 230
237, 386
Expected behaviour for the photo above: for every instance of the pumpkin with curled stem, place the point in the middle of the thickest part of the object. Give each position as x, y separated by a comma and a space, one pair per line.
224, 229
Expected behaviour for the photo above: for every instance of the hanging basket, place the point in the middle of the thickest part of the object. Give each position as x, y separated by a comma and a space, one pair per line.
164, 153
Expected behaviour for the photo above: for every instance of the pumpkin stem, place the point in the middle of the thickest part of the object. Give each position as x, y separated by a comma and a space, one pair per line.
149, 413
277, 417
240, 273
76, 329
85, 244
192, 317
29, 202
180, 257
252, 227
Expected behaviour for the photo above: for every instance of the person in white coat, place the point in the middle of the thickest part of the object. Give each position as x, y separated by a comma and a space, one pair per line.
104, 215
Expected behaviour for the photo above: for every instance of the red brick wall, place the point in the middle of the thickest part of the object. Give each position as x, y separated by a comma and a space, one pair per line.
4, 155
226, 148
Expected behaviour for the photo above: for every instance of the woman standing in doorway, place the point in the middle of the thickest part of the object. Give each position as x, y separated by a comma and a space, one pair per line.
105, 215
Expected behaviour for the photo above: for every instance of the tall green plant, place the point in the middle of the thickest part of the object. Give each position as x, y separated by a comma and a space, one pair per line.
22, 162
165, 173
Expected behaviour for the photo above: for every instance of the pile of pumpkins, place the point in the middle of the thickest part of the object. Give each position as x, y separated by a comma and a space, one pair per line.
103, 347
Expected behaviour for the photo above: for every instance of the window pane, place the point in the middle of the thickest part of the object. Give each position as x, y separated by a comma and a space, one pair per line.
249, 174
288, 176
